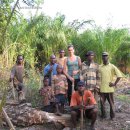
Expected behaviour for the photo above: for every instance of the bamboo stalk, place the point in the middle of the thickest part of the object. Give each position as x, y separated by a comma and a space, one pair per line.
7, 119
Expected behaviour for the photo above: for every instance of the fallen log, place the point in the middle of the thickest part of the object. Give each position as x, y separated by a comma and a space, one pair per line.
24, 115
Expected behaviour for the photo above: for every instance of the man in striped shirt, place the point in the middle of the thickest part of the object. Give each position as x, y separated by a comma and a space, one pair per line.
89, 73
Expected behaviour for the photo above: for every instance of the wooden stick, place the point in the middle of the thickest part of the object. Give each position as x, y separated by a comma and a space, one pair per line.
73, 80
82, 115
7, 119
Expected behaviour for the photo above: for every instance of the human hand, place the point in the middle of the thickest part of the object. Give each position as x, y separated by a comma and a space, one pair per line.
82, 107
75, 72
112, 84
51, 68
71, 79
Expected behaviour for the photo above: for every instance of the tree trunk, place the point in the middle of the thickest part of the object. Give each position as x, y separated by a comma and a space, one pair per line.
25, 115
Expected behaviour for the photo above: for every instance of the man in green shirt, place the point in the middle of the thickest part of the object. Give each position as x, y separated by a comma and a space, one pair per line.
107, 72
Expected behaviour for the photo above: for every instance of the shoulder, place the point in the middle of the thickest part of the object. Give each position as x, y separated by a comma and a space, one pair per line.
88, 92
63, 76
47, 66
78, 57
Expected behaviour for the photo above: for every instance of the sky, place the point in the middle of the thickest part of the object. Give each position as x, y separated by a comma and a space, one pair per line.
105, 13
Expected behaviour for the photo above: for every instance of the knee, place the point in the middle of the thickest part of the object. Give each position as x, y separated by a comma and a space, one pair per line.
95, 111
73, 113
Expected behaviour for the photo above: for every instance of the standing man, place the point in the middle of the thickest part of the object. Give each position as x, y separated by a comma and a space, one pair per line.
61, 58
107, 72
50, 69
89, 73
16, 76
83, 99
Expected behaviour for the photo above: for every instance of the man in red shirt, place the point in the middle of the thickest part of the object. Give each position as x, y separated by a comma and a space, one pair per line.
83, 100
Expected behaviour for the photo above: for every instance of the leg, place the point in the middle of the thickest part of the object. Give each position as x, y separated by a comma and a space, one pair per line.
21, 92
69, 92
92, 114
111, 102
75, 83
74, 115
102, 102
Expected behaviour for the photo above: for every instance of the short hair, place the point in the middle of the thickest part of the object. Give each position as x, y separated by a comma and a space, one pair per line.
45, 78
19, 56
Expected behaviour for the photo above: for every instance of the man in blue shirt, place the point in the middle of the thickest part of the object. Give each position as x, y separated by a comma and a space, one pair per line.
50, 69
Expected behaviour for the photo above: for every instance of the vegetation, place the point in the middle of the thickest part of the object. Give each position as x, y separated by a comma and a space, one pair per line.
39, 36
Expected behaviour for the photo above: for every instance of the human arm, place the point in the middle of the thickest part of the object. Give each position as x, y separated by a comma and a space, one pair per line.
114, 84
118, 74
47, 70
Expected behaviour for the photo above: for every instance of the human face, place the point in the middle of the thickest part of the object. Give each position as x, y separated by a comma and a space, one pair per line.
53, 59
59, 69
46, 82
20, 60
62, 53
105, 59
90, 57
81, 88
70, 50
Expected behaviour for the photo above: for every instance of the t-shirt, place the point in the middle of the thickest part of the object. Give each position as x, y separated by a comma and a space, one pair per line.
59, 84
88, 98
17, 73
107, 74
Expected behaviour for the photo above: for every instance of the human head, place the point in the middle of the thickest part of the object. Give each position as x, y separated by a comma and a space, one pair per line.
46, 81
52, 59
105, 57
71, 49
81, 86
20, 59
90, 55
61, 53
59, 69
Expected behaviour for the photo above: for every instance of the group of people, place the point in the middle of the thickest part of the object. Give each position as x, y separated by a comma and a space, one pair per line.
79, 83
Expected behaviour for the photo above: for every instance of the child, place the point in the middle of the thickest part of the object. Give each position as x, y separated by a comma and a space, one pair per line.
60, 86
47, 93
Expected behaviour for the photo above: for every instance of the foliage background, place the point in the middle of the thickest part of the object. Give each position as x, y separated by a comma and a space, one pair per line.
39, 36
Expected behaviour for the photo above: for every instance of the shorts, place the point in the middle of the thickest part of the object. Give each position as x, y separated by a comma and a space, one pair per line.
60, 98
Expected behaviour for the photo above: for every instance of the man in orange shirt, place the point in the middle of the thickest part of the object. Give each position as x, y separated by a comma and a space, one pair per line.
83, 99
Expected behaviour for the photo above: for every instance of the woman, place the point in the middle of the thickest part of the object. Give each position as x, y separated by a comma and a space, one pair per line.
72, 70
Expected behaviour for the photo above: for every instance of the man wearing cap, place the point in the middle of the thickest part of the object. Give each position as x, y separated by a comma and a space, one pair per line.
83, 99
89, 73
107, 72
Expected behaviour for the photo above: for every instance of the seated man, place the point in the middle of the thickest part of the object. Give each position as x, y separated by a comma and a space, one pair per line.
83, 100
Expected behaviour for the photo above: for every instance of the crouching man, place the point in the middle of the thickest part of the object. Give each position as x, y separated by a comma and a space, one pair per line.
83, 100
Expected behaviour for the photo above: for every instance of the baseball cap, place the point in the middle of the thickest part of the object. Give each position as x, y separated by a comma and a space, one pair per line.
81, 83
90, 53
105, 54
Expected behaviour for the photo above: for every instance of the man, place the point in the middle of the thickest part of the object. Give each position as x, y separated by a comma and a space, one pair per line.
61, 58
83, 99
89, 73
17, 74
107, 72
50, 69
